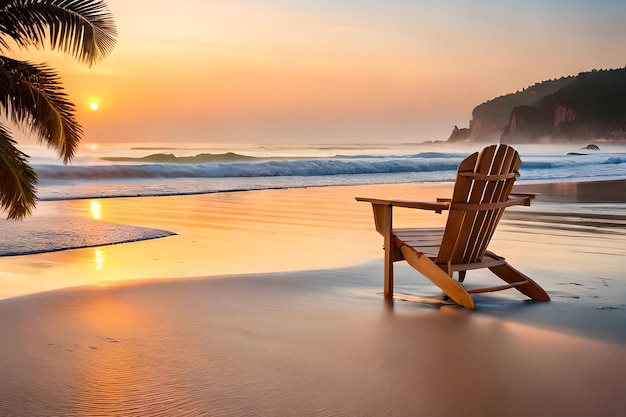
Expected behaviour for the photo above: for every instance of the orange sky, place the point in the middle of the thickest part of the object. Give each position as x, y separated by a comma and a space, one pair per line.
327, 71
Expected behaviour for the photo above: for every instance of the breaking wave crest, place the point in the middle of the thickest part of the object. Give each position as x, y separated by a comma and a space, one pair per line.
287, 168
339, 165
167, 174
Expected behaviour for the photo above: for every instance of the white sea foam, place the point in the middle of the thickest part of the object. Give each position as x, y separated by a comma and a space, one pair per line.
116, 179
55, 233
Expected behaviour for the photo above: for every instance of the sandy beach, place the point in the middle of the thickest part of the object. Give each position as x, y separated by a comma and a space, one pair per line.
269, 303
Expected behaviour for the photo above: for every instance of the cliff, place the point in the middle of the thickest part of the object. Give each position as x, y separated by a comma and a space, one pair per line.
592, 108
589, 106
491, 118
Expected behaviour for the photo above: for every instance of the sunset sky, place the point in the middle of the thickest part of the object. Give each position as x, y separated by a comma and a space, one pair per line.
325, 71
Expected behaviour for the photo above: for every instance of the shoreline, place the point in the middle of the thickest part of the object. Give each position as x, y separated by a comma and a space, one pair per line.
162, 219
270, 303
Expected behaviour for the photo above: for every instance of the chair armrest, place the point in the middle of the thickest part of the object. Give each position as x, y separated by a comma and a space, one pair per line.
526, 197
383, 212
437, 207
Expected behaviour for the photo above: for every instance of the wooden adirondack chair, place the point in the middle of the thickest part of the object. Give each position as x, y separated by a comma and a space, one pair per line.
481, 193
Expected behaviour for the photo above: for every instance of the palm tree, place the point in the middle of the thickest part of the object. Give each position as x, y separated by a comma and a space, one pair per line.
31, 95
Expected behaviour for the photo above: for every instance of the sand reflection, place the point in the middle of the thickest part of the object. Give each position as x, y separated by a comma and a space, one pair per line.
127, 360
280, 345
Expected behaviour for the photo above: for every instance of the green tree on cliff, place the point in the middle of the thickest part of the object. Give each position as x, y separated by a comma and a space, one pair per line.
31, 95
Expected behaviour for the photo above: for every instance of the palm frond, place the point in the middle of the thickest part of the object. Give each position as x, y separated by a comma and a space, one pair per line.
82, 28
32, 96
18, 194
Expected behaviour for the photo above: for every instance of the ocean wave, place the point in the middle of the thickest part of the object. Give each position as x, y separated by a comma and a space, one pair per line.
58, 182
615, 160
572, 161
305, 168
309, 167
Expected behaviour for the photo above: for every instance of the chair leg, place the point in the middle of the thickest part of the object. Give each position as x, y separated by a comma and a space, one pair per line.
389, 250
462, 275
388, 273
511, 275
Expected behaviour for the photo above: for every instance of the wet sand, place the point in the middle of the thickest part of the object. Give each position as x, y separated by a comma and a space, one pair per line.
269, 303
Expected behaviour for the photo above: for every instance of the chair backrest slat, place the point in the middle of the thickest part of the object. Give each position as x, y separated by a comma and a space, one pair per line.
496, 193
462, 188
472, 220
502, 189
483, 180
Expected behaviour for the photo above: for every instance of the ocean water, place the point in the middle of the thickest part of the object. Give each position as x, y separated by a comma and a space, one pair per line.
133, 170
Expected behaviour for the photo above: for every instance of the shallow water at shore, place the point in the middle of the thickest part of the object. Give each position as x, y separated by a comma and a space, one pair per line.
294, 229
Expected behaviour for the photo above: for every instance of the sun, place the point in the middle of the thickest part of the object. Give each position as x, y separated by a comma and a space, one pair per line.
94, 106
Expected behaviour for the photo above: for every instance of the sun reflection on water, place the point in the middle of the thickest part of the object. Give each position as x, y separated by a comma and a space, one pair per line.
96, 210
99, 258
